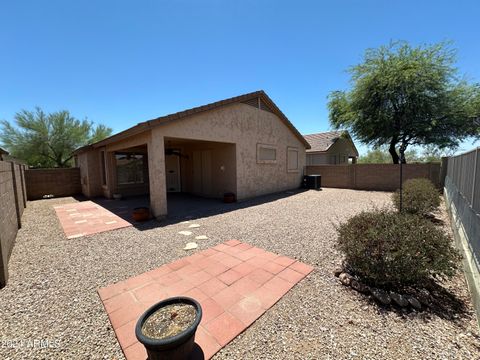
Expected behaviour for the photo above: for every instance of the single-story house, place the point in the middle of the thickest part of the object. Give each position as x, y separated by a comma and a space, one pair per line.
330, 148
244, 145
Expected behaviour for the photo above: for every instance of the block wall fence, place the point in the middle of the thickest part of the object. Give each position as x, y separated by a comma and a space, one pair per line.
13, 200
381, 177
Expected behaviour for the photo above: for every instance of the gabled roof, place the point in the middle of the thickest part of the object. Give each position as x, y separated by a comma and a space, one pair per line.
3, 152
321, 142
146, 125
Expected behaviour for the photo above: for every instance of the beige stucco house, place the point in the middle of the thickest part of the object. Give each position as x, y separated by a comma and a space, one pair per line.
331, 148
244, 145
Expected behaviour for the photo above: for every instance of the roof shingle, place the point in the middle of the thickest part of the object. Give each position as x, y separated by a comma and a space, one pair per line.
322, 141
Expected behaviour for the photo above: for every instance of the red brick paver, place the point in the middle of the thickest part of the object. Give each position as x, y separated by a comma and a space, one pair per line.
87, 218
234, 282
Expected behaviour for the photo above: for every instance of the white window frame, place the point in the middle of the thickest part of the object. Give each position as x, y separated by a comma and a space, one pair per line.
295, 150
269, 147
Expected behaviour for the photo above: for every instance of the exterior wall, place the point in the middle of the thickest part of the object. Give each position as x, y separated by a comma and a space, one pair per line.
318, 158
112, 187
90, 166
12, 204
57, 182
383, 177
90, 173
245, 126
223, 169
342, 149
338, 153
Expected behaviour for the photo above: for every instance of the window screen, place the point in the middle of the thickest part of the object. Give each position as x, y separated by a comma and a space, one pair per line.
292, 159
266, 153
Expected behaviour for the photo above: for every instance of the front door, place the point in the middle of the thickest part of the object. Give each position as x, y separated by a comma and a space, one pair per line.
172, 170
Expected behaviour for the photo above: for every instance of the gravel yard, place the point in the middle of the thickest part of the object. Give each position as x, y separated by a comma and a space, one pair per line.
52, 290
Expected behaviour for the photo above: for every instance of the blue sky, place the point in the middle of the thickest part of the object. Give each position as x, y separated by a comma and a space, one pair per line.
122, 62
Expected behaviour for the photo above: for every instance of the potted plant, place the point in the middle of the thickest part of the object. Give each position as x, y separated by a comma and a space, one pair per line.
167, 329
141, 214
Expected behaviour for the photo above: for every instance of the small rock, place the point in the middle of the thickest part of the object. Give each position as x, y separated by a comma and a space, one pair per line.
190, 246
186, 233
424, 297
414, 302
381, 296
345, 279
360, 287
192, 226
337, 271
201, 237
398, 299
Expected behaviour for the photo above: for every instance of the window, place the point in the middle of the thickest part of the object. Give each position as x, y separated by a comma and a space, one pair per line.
102, 166
266, 154
292, 159
129, 168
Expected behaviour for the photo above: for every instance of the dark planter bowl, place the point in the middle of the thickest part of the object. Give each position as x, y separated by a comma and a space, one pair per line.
229, 198
176, 347
141, 214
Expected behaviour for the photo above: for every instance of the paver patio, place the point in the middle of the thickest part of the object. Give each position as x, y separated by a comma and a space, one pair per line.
87, 218
234, 282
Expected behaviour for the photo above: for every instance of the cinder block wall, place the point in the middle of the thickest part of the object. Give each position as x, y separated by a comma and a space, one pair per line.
382, 177
57, 182
12, 204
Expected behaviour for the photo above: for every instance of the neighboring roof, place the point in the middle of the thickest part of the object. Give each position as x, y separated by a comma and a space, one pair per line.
321, 142
3, 152
146, 125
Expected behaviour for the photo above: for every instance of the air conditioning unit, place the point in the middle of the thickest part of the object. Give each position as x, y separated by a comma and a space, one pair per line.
312, 182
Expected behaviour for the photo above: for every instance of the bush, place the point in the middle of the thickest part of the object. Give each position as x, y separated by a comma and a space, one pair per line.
419, 197
388, 249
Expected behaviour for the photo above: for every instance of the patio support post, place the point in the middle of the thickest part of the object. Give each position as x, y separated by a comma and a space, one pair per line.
156, 172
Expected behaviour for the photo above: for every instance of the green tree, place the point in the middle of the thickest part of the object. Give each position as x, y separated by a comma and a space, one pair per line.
48, 140
427, 154
403, 95
375, 156
381, 156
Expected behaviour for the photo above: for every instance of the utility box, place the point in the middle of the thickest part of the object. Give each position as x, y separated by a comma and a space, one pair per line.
312, 182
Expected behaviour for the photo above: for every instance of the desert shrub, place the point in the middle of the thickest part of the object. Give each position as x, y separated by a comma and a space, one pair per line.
388, 249
419, 197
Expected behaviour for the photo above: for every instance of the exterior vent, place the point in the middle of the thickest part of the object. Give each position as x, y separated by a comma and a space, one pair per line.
258, 103
264, 106
252, 102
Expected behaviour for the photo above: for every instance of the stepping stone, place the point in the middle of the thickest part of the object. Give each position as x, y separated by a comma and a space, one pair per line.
190, 246
185, 222
186, 233
194, 226
201, 237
